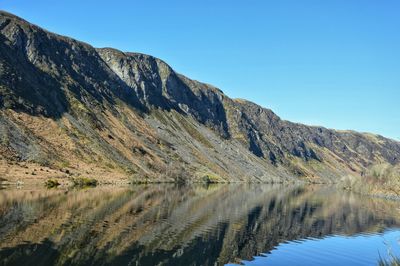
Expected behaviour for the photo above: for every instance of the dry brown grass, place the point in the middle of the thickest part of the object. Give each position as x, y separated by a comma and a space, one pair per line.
380, 179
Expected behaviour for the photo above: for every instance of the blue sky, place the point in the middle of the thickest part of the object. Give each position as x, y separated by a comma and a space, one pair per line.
334, 63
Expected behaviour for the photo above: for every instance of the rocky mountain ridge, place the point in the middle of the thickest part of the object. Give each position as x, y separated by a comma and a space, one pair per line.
68, 109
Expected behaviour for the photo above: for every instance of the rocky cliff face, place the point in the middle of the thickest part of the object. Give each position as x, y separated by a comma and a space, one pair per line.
70, 109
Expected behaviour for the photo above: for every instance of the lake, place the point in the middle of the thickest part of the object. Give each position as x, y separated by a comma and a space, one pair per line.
167, 224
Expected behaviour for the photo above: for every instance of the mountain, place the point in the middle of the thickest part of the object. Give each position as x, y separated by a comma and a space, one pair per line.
68, 109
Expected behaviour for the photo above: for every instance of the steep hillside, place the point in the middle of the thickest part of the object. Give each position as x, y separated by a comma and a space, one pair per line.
68, 109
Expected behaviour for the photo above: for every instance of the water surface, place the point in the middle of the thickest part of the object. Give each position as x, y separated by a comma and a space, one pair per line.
195, 225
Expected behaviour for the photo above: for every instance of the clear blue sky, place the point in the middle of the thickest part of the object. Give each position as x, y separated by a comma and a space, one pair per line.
334, 63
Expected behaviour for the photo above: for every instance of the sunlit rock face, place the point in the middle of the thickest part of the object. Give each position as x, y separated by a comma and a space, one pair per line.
65, 104
176, 225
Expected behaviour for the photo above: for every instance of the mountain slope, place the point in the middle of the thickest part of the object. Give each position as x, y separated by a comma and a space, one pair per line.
68, 109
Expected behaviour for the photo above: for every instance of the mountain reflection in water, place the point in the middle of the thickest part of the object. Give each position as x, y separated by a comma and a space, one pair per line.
176, 225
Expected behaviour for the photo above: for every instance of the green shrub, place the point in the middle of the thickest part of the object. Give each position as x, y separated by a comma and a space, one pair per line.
211, 178
51, 183
84, 182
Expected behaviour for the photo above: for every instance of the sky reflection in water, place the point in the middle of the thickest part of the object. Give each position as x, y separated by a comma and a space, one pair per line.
195, 225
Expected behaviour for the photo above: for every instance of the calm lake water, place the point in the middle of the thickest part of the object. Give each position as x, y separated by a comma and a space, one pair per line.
196, 225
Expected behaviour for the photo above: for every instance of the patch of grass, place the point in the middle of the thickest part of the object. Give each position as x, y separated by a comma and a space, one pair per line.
177, 172
52, 183
379, 179
109, 165
194, 132
159, 116
210, 178
145, 180
393, 261
389, 263
84, 182
64, 164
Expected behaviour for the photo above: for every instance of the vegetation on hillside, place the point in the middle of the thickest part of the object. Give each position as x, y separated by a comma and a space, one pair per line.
380, 179
84, 182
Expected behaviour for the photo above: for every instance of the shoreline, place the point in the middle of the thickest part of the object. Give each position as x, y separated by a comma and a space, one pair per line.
67, 184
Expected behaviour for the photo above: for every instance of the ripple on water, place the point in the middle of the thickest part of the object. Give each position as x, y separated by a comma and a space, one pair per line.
189, 225
361, 249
